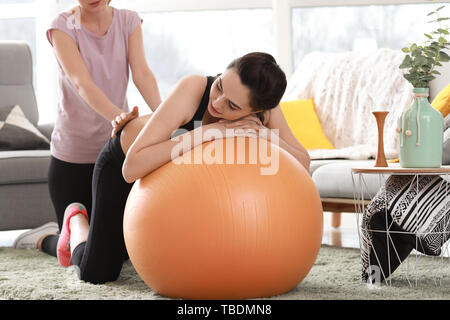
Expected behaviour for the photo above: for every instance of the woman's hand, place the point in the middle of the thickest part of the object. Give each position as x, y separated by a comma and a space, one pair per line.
246, 126
248, 122
120, 121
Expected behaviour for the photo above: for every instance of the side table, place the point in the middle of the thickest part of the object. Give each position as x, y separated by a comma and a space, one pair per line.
390, 229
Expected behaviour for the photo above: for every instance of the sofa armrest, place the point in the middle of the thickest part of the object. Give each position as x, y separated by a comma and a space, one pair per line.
46, 129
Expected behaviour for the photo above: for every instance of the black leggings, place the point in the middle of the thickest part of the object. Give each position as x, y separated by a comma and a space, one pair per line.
100, 258
67, 182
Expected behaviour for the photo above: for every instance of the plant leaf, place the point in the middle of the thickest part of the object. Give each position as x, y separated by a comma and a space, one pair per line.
427, 78
420, 60
406, 62
416, 52
444, 56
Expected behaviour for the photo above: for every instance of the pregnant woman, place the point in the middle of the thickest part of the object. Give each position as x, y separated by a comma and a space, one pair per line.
245, 96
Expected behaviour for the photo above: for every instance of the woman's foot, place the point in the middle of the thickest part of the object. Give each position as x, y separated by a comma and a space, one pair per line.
30, 239
63, 248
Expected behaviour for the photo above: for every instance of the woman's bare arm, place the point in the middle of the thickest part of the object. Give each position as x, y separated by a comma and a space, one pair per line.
287, 139
143, 77
70, 59
153, 146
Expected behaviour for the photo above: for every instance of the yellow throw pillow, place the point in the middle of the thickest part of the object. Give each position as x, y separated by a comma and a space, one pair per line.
442, 101
302, 119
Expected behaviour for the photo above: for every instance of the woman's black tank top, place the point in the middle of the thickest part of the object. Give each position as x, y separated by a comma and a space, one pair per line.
198, 116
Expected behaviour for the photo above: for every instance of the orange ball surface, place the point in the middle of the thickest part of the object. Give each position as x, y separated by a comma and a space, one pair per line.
224, 231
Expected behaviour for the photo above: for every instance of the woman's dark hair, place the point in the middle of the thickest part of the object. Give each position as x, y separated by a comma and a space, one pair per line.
260, 73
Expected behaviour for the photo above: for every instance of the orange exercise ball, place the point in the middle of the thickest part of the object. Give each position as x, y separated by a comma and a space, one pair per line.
221, 229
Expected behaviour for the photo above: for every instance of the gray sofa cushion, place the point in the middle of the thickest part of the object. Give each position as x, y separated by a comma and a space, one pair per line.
18, 133
334, 180
16, 78
316, 164
25, 206
24, 166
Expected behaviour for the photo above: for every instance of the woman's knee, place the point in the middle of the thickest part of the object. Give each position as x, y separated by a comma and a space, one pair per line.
97, 268
99, 275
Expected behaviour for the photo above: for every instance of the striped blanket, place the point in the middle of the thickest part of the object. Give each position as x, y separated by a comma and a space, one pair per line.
415, 210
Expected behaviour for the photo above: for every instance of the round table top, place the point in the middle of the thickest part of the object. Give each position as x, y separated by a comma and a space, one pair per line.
395, 168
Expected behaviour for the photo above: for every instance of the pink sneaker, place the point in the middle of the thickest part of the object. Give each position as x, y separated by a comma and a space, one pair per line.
63, 247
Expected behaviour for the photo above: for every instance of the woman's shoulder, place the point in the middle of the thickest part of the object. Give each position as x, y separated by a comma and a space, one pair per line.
189, 90
194, 81
126, 14
129, 19
65, 14
124, 11
67, 21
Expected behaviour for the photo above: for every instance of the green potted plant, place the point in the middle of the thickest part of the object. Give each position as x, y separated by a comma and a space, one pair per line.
420, 127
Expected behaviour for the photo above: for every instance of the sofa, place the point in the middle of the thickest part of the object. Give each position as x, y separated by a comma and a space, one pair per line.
24, 196
333, 177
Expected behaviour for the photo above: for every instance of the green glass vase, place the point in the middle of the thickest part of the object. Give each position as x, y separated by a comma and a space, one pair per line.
420, 130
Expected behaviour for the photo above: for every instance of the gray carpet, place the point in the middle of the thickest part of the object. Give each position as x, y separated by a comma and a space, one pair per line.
29, 274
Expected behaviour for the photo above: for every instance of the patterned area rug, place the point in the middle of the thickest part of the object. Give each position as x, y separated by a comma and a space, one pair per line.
29, 274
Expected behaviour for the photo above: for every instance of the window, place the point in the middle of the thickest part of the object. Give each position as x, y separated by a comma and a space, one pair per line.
338, 29
200, 42
183, 37
15, 1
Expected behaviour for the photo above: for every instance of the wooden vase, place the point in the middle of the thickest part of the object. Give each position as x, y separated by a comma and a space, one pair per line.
380, 116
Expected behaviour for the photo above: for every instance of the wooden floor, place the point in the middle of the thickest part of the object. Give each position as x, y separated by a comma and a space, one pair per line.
345, 236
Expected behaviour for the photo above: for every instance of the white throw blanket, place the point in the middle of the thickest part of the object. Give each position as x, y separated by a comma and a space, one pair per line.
346, 88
